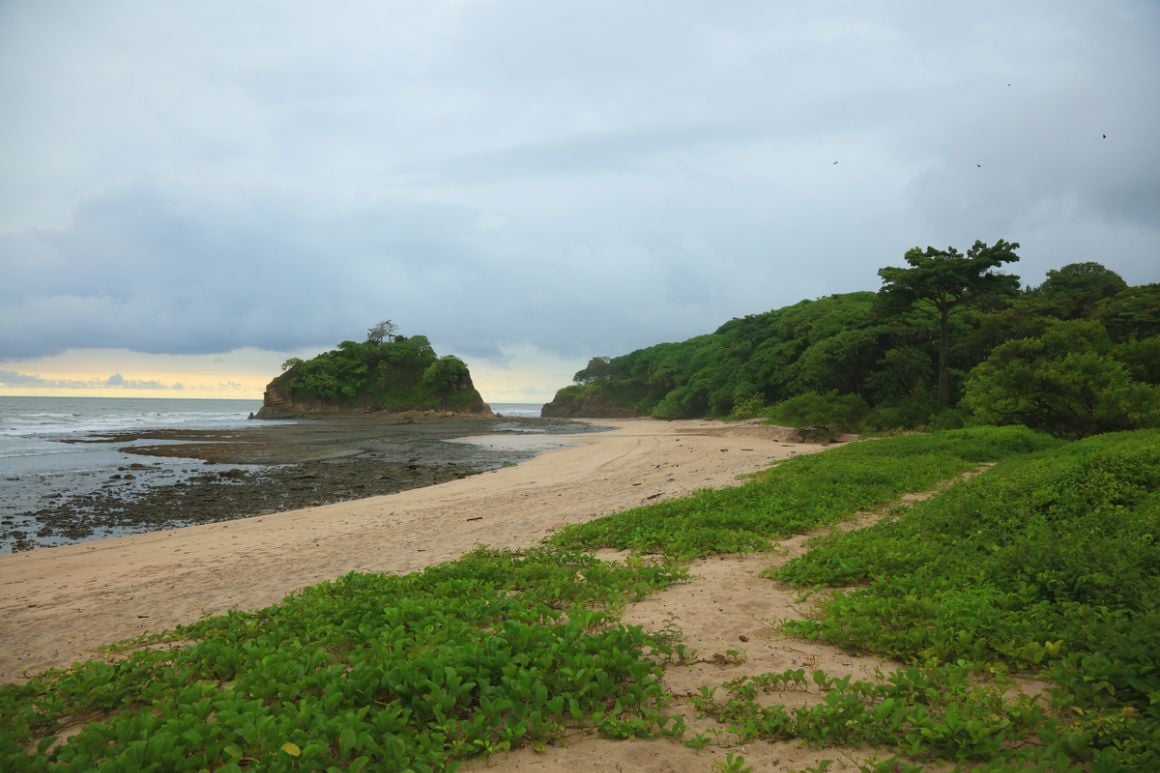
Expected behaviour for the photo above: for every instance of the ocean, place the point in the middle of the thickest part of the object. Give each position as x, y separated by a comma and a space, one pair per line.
44, 455
517, 410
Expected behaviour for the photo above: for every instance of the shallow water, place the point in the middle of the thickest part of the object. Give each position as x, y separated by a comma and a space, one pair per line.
76, 469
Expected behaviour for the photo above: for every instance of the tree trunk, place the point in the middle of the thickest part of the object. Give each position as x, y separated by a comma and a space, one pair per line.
944, 377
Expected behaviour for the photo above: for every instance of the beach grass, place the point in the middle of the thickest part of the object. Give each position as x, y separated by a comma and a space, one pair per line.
1044, 565
800, 494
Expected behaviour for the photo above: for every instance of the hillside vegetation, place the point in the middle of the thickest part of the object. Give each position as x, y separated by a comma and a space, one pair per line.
1044, 565
947, 341
386, 372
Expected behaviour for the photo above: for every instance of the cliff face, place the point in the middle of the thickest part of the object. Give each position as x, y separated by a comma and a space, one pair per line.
279, 402
585, 404
402, 375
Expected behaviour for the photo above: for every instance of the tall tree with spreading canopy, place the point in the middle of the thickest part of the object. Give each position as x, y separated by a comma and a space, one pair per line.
383, 331
940, 283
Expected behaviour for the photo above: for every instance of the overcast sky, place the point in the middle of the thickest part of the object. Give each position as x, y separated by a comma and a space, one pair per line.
205, 188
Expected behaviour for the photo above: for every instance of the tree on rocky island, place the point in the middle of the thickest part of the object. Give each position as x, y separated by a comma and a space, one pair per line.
940, 283
388, 373
383, 331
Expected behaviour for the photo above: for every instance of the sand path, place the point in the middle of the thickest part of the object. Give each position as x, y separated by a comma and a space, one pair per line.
728, 616
60, 604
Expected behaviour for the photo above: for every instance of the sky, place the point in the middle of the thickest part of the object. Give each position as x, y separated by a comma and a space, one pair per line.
191, 193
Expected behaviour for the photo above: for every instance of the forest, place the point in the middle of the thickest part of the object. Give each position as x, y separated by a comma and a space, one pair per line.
948, 340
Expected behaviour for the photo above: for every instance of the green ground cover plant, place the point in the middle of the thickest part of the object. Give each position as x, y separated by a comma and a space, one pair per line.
926, 713
493, 651
1048, 565
800, 494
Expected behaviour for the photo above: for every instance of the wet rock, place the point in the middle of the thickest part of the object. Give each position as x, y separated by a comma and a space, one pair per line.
293, 467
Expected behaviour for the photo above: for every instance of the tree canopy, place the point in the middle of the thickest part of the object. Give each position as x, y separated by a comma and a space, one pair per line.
1067, 381
908, 355
940, 283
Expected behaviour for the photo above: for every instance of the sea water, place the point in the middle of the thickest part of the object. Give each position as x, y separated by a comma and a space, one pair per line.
47, 449
520, 410
40, 433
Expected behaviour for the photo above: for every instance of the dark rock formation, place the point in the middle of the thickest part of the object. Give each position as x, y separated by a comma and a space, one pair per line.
590, 405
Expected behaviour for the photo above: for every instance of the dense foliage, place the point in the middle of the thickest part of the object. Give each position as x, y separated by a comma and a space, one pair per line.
1049, 564
904, 356
385, 372
1070, 381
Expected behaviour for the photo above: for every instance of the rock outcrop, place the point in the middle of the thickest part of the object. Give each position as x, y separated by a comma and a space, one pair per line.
585, 404
400, 376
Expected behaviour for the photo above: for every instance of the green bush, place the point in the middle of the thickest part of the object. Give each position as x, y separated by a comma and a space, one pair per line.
830, 411
446, 375
748, 408
1065, 382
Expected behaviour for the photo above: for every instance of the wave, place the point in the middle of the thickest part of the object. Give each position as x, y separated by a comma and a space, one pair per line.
30, 417
15, 447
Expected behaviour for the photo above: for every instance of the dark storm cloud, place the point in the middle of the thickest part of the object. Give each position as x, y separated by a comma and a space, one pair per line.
585, 178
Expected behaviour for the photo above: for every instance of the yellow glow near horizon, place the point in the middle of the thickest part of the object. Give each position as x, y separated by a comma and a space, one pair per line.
525, 374
97, 391
121, 373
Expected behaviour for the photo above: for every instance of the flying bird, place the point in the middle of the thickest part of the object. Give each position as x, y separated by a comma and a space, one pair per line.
979, 165
1105, 136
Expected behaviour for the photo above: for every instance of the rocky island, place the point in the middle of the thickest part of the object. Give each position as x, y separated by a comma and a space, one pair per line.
387, 373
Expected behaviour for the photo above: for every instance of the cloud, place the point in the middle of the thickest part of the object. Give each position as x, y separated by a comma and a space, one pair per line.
565, 179
10, 378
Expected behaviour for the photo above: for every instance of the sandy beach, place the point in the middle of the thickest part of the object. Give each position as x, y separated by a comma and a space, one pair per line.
62, 604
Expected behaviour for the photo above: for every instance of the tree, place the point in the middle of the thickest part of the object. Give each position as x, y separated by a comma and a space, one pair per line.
1065, 382
1073, 291
1132, 313
830, 411
383, 331
447, 374
841, 362
597, 370
940, 283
